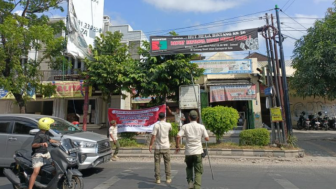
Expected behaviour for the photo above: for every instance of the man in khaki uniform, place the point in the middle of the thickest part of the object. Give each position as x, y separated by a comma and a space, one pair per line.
162, 146
114, 139
193, 133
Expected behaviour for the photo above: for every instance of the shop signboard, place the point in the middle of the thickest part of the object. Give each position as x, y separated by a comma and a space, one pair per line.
239, 66
85, 24
242, 40
188, 98
276, 114
68, 89
136, 120
233, 92
7, 95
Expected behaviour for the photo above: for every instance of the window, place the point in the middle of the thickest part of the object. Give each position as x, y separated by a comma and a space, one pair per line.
5, 127
23, 127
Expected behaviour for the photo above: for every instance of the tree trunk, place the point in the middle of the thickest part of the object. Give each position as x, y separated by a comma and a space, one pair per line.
218, 140
20, 101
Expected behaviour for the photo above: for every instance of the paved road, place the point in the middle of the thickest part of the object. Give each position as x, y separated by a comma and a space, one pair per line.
317, 143
228, 175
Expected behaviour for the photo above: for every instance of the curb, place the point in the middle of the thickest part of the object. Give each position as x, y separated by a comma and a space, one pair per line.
143, 152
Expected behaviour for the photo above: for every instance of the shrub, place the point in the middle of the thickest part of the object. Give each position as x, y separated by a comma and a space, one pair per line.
259, 137
129, 135
173, 132
220, 119
128, 142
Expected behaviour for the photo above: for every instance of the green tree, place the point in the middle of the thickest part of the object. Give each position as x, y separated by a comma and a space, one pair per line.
21, 33
110, 66
315, 60
220, 119
161, 76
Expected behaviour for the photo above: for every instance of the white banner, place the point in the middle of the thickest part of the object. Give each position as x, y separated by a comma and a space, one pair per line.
85, 23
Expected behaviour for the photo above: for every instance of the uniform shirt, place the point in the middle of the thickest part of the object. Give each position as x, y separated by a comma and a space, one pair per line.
114, 132
161, 131
194, 133
41, 137
178, 118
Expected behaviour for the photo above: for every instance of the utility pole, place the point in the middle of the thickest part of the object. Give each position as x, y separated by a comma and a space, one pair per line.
270, 82
276, 102
86, 102
284, 79
281, 94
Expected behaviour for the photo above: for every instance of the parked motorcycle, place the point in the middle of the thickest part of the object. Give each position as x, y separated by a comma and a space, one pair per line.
325, 122
59, 172
301, 122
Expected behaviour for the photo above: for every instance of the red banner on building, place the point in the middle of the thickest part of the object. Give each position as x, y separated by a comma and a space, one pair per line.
136, 120
232, 93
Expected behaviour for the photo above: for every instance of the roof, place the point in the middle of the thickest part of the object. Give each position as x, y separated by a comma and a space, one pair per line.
220, 56
258, 56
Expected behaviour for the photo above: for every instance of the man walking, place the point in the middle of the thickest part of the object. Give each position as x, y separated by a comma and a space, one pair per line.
162, 146
179, 119
194, 133
114, 139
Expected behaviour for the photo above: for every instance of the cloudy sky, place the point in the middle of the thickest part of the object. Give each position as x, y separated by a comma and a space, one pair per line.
157, 17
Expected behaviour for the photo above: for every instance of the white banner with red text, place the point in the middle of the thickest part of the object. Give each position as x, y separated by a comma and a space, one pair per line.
136, 120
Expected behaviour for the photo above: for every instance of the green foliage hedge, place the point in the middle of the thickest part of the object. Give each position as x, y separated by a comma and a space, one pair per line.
259, 137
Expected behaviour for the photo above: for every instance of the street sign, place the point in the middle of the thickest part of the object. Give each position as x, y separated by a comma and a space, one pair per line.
268, 91
187, 97
276, 114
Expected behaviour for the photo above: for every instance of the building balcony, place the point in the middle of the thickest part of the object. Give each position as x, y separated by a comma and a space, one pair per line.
57, 75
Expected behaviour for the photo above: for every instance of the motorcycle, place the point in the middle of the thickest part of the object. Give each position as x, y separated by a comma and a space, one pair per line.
325, 123
59, 172
301, 122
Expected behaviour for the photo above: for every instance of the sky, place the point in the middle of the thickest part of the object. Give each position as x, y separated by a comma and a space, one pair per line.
157, 17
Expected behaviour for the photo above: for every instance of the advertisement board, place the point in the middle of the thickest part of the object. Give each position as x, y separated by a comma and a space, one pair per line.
188, 98
136, 120
242, 40
276, 114
225, 66
233, 92
7, 95
68, 89
84, 25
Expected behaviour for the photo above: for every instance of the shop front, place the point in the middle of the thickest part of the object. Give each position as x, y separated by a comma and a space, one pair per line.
239, 97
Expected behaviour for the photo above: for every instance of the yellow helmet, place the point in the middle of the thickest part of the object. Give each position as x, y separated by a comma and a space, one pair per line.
45, 122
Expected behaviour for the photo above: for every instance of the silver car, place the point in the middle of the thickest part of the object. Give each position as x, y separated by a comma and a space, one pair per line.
95, 149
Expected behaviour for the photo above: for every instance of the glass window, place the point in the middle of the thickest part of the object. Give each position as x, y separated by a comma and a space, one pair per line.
23, 127
62, 126
5, 127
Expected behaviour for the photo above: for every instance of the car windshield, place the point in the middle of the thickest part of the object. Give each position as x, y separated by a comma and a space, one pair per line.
62, 127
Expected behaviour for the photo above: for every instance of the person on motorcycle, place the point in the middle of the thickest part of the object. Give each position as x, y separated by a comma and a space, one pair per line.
40, 147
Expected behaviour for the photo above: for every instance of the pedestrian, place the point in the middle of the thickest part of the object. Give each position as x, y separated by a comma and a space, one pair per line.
162, 146
194, 132
179, 119
40, 148
114, 139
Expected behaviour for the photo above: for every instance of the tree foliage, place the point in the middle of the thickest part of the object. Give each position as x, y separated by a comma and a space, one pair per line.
22, 33
220, 119
161, 76
315, 60
110, 66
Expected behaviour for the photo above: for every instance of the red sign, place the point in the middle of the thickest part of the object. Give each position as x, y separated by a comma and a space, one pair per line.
136, 120
232, 93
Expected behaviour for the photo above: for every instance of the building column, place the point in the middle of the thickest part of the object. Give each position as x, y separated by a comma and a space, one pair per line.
76, 66
82, 65
69, 68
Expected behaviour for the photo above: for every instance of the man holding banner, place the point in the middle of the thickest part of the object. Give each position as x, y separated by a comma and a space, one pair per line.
162, 146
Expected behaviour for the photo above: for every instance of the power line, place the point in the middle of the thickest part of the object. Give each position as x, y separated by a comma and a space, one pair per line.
286, 4
290, 5
290, 37
209, 23
292, 19
292, 28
